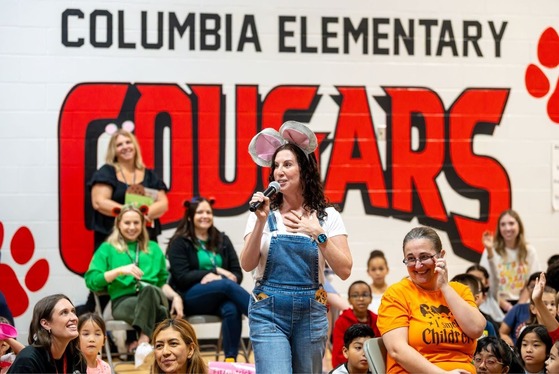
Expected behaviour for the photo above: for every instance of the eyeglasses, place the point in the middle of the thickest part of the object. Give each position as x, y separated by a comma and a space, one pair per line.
358, 296
490, 361
423, 260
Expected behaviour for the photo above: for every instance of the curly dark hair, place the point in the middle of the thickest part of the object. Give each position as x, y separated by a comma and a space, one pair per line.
313, 191
185, 228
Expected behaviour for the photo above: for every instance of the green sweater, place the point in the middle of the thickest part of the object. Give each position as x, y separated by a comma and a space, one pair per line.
106, 258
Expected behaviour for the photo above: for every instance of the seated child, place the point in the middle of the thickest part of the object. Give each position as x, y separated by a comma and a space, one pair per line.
543, 306
93, 333
552, 363
493, 355
475, 285
534, 345
9, 346
353, 351
359, 297
489, 306
516, 318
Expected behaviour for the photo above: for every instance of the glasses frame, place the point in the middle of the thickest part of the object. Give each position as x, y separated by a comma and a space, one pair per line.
484, 360
416, 260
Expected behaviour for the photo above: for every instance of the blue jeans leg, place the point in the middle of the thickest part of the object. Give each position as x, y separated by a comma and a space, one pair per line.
296, 328
223, 298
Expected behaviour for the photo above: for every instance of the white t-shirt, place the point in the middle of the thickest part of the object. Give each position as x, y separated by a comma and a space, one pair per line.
333, 226
511, 274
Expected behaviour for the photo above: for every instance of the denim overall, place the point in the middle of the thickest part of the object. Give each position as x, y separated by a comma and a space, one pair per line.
288, 327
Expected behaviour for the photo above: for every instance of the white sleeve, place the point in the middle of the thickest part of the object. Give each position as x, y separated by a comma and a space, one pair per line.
491, 267
533, 261
250, 224
333, 224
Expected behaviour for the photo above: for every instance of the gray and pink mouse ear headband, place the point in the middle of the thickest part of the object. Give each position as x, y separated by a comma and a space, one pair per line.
265, 143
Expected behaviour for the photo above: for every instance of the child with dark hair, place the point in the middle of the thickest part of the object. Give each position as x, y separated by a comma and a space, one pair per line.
544, 307
9, 346
93, 333
533, 346
474, 284
359, 297
552, 363
353, 350
490, 305
518, 316
377, 268
553, 259
493, 355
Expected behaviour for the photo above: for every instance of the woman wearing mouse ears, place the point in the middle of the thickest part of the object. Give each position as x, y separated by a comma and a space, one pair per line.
288, 239
428, 323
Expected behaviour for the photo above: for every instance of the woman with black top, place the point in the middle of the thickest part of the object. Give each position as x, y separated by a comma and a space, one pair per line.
205, 270
124, 172
53, 339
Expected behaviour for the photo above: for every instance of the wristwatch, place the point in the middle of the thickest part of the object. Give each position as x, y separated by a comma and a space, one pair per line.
321, 238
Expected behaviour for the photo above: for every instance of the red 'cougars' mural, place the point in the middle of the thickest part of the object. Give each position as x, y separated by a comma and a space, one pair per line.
404, 189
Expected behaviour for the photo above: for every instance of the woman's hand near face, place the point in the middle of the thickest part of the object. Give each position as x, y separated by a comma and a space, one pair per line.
264, 209
441, 270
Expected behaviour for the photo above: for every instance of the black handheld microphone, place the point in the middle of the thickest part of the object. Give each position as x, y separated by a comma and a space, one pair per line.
273, 188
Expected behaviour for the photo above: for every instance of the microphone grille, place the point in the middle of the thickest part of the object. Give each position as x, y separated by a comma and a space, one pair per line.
275, 185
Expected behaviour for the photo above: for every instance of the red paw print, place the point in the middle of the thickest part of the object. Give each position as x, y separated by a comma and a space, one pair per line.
537, 82
22, 247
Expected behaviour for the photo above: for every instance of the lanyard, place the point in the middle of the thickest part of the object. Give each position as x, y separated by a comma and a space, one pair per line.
136, 261
211, 254
64, 364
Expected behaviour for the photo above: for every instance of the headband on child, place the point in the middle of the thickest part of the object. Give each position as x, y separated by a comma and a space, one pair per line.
265, 143
144, 209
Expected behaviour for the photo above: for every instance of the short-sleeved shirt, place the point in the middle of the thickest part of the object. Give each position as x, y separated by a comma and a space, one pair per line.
332, 225
511, 273
516, 319
107, 175
432, 328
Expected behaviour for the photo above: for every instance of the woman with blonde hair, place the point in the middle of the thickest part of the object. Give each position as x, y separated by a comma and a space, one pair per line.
124, 173
176, 348
132, 269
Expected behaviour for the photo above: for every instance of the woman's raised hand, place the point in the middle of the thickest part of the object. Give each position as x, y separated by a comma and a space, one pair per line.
441, 269
264, 209
487, 240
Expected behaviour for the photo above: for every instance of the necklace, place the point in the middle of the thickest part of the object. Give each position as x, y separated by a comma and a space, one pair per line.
124, 177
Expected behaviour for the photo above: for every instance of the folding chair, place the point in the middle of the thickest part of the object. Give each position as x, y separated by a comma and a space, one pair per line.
112, 325
375, 351
207, 318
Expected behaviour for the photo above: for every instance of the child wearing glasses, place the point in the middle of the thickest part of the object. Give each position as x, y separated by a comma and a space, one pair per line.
494, 356
359, 294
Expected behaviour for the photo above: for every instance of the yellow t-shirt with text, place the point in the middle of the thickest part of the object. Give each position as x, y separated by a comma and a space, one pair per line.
432, 328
